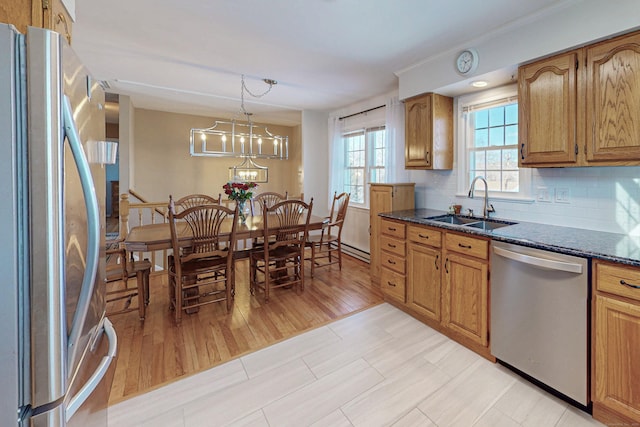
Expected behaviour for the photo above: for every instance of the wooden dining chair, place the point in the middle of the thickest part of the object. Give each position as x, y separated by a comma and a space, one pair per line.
280, 262
194, 200
329, 240
119, 293
262, 200
267, 199
202, 273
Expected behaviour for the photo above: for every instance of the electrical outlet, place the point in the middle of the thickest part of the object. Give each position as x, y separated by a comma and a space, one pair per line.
543, 195
562, 195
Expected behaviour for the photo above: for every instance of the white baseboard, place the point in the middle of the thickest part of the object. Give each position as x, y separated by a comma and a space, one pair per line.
356, 253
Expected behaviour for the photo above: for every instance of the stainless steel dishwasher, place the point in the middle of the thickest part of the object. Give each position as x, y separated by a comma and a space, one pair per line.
539, 316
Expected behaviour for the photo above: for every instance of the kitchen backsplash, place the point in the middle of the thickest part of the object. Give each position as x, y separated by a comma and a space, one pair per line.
594, 198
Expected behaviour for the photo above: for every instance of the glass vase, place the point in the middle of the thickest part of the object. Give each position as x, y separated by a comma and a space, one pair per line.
242, 205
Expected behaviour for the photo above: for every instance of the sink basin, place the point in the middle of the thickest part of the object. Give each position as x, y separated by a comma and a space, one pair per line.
453, 219
488, 225
466, 221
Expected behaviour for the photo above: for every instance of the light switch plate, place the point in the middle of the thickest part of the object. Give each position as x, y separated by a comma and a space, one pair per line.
563, 195
543, 195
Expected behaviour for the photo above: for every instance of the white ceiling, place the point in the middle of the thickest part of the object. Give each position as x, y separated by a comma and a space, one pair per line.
187, 56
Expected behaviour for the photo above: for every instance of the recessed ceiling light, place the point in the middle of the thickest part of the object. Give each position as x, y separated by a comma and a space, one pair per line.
479, 83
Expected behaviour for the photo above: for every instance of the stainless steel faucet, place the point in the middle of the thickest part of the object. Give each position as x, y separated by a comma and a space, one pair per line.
487, 208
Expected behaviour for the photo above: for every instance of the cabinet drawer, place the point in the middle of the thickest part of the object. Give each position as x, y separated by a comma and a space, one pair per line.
392, 245
425, 236
618, 279
393, 229
392, 284
393, 261
468, 245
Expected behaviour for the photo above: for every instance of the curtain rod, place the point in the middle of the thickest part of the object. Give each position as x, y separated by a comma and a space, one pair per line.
361, 112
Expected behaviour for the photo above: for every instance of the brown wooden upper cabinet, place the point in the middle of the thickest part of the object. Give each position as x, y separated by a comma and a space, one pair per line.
49, 14
613, 100
547, 93
429, 132
582, 108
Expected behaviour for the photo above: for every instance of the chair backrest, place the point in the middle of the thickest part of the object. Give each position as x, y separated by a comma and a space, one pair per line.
338, 211
291, 218
193, 200
213, 231
266, 199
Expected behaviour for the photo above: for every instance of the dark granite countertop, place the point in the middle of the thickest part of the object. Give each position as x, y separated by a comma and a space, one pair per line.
573, 241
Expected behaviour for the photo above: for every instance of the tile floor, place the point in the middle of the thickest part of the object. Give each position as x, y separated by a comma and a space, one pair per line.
379, 367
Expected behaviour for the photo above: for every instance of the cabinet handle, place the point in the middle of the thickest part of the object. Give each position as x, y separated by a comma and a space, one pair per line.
464, 246
422, 236
446, 265
522, 151
391, 228
391, 262
393, 285
622, 282
436, 262
391, 246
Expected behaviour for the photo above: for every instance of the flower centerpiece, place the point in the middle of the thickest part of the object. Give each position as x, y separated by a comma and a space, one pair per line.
240, 192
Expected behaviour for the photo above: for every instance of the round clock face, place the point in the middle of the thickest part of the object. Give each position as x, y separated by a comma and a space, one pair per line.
467, 61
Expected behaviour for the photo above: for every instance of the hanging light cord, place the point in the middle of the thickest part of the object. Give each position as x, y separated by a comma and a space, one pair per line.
244, 88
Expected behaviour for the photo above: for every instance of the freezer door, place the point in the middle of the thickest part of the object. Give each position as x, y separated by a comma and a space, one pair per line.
13, 230
61, 247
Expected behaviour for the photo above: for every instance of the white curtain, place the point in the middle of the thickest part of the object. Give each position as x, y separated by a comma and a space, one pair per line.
394, 125
336, 158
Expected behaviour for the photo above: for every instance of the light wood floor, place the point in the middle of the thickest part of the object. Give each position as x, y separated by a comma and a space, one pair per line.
157, 352
379, 367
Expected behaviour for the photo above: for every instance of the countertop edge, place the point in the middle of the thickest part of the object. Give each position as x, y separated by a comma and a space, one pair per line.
583, 243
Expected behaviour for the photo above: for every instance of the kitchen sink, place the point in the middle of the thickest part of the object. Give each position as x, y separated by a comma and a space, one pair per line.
453, 219
488, 225
467, 221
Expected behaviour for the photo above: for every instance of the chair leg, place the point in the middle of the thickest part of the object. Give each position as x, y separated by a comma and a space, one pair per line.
178, 297
300, 268
228, 284
313, 258
252, 276
140, 281
267, 282
339, 248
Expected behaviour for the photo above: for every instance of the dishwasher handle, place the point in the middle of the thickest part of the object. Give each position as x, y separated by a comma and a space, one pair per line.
544, 263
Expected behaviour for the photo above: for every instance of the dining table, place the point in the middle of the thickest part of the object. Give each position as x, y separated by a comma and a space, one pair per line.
154, 237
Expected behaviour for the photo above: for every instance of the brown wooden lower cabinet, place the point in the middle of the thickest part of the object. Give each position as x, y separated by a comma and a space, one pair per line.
446, 283
465, 297
616, 344
423, 280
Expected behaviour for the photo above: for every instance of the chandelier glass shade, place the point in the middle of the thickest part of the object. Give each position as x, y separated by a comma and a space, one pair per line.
249, 171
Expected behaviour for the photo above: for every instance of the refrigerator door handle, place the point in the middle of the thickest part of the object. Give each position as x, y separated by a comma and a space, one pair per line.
93, 230
76, 401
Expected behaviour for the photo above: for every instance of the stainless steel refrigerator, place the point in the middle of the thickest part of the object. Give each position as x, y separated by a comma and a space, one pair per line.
56, 345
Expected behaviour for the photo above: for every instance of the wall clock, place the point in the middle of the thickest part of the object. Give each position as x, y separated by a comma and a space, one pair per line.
467, 61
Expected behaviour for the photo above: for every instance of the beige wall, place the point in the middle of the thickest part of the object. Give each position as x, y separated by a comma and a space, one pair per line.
164, 166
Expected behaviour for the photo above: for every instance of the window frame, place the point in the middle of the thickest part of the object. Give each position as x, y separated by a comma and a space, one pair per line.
498, 96
369, 154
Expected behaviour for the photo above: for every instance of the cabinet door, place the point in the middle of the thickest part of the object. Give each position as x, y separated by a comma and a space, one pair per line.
423, 281
465, 297
617, 370
419, 131
613, 100
547, 110
429, 132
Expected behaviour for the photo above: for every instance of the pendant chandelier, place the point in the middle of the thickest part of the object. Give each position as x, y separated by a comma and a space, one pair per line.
244, 140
